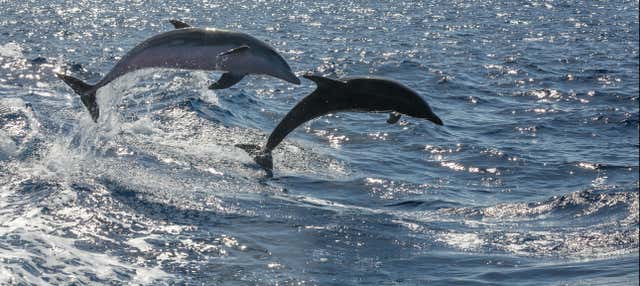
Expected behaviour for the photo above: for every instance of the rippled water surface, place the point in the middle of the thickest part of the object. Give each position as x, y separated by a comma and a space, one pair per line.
533, 179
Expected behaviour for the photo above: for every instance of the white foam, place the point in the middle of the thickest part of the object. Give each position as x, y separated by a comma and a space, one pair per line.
57, 251
140, 243
11, 50
143, 126
60, 161
6, 277
13, 102
8, 148
147, 276
462, 241
202, 80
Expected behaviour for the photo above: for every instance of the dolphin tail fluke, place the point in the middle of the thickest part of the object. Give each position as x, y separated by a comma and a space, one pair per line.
393, 117
87, 94
262, 157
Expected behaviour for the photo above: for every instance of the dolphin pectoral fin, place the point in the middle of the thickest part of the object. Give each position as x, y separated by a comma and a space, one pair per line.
225, 56
393, 117
179, 24
234, 51
226, 80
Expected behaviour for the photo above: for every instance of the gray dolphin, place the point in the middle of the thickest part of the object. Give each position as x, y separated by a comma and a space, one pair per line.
364, 94
235, 53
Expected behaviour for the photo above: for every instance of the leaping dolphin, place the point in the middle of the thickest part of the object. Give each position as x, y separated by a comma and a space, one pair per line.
364, 94
235, 53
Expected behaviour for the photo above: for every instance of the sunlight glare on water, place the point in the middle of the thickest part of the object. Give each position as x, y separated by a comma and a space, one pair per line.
532, 179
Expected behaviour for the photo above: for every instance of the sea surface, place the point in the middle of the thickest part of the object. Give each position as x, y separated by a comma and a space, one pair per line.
532, 180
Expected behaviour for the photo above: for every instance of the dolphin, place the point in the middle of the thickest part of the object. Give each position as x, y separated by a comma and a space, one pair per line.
235, 53
363, 94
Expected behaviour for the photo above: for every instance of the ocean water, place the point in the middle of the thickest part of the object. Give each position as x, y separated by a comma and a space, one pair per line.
532, 180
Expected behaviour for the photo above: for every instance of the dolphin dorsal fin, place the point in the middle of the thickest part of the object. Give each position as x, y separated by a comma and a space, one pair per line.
324, 82
179, 24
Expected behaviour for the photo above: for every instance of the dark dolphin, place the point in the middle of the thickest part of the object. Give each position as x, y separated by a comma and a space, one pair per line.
237, 54
363, 94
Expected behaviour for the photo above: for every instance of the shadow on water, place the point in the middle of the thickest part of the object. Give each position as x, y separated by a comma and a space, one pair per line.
160, 211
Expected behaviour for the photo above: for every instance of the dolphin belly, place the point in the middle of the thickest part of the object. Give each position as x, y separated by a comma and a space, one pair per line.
190, 58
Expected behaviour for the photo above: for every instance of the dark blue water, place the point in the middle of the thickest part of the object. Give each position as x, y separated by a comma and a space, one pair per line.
532, 180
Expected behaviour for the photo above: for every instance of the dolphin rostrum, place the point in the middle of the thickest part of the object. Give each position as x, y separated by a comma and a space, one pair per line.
235, 53
364, 94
